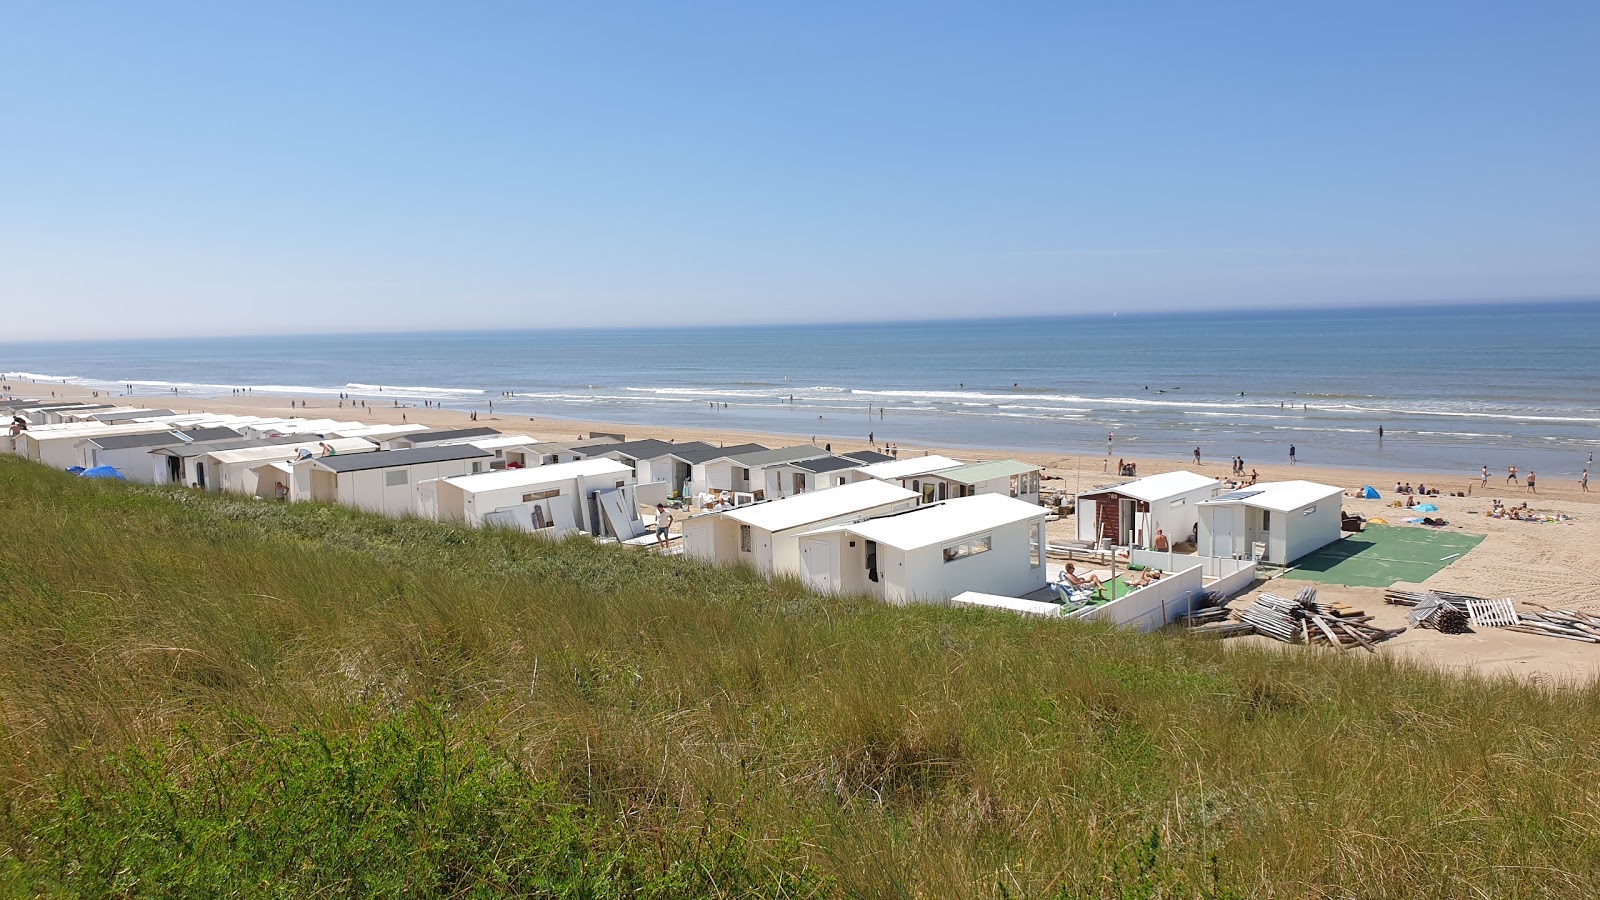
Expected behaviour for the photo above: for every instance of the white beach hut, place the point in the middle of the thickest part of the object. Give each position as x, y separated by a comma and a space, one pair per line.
789, 479
1276, 522
555, 499
1008, 477
234, 471
908, 473
767, 535
379, 482
1129, 514
989, 543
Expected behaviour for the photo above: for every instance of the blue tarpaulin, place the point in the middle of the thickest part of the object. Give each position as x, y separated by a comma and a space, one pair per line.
75, 470
100, 472
1369, 493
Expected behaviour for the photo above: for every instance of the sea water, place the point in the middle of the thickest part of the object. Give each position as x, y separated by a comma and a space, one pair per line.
1453, 388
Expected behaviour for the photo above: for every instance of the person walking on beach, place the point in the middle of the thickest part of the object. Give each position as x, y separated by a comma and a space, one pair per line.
1291, 454
1197, 456
663, 524
1531, 487
1485, 476
1511, 475
1380, 432
1583, 481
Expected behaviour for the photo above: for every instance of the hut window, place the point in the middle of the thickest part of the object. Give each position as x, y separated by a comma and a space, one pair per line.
746, 540
477, 467
1013, 485
927, 493
1177, 503
1035, 546
397, 477
1308, 511
970, 547
540, 495
941, 490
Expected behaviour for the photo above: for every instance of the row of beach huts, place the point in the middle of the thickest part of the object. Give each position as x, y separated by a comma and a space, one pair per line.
924, 528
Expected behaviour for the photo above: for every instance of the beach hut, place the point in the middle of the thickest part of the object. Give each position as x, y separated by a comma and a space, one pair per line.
554, 499
988, 543
767, 535
1276, 522
184, 464
743, 471
130, 453
792, 478
236, 471
550, 453
379, 482
56, 446
908, 473
1129, 514
1009, 477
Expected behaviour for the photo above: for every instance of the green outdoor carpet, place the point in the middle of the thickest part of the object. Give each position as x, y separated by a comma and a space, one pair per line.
1383, 555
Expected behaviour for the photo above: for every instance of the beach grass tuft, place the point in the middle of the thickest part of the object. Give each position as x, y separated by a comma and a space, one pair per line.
206, 695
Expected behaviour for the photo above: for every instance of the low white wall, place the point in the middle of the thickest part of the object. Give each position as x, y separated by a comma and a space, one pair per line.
1149, 608
1242, 577
652, 493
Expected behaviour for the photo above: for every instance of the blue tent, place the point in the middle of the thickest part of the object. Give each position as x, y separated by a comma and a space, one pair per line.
100, 472
1427, 507
75, 470
1369, 493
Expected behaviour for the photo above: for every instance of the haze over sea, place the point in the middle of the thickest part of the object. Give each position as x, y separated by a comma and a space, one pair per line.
1454, 388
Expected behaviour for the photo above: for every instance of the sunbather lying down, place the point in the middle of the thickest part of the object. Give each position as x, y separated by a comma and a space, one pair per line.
1147, 577
1070, 577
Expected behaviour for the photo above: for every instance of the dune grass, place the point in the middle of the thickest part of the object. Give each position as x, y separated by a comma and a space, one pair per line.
205, 696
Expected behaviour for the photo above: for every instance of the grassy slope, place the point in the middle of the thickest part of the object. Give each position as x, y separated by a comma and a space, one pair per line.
205, 695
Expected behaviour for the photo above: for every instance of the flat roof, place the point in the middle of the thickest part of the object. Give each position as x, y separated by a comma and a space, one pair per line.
1277, 496
827, 464
906, 468
389, 459
137, 412
537, 475
1157, 487
816, 506
943, 522
975, 473
201, 448
498, 441
870, 456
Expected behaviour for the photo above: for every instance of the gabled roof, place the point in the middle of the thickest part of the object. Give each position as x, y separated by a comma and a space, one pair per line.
697, 452
518, 478
647, 448
977, 473
870, 456
1158, 487
907, 468
282, 451
827, 464
201, 448
819, 506
389, 459
447, 434
160, 438
760, 458
941, 523
1277, 496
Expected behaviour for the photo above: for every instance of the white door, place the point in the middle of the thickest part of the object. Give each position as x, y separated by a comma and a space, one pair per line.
819, 565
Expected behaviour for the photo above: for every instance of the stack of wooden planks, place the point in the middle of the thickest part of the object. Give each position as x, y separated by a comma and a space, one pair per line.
1449, 612
1304, 620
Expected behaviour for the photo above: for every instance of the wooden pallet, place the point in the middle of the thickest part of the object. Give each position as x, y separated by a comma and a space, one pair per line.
1492, 613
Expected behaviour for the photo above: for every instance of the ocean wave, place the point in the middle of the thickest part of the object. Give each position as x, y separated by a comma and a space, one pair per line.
591, 398
35, 376
418, 391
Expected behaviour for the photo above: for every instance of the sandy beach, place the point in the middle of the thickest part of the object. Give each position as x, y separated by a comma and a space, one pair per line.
1554, 564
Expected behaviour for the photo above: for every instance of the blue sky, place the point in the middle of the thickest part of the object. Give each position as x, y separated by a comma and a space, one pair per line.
198, 168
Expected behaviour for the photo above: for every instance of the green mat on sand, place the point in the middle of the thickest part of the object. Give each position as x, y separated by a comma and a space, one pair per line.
1383, 555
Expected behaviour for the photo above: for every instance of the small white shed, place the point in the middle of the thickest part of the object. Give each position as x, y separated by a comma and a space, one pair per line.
791, 478
1284, 520
558, 497
908, 473
381, 482
989, 543
1129, 514
1010, 477
766, 535
233, 471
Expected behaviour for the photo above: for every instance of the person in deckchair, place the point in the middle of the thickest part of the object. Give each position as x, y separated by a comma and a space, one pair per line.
1070, 577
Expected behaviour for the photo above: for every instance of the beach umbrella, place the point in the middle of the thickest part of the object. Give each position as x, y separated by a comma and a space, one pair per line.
1426, 507
101, 472
1369, 493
